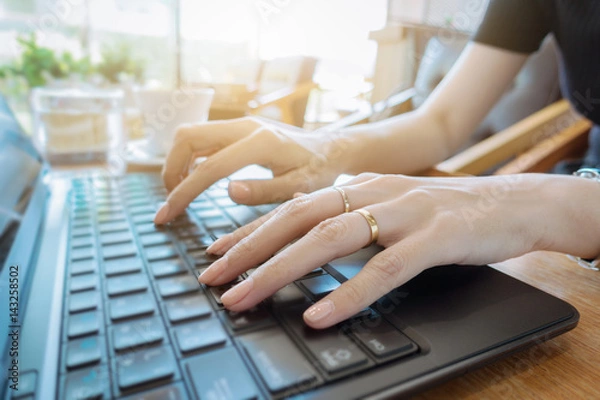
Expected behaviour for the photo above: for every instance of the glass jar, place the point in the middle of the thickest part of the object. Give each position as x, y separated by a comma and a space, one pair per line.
80, 127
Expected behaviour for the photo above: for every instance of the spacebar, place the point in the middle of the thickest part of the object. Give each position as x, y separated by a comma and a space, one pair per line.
278, 361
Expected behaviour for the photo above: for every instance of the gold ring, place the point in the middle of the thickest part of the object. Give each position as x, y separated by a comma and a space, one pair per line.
372, 224
344, 198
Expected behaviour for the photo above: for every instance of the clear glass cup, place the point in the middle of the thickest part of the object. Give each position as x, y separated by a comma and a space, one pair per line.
80, 127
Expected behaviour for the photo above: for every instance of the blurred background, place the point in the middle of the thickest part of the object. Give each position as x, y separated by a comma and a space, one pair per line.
308, 62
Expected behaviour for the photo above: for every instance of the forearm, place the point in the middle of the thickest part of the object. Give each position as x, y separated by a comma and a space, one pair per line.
405, 144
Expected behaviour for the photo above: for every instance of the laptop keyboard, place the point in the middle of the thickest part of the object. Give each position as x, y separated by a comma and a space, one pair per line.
138, 325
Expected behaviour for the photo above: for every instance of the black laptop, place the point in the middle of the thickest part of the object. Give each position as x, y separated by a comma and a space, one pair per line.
99, 303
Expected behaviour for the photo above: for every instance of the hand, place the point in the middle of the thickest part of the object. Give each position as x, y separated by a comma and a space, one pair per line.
423, 222
299, 160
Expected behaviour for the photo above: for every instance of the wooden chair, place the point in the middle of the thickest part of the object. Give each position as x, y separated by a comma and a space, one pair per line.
535, 144
281, 93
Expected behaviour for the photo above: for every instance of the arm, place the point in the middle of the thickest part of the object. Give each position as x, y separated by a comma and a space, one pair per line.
444, 122
423, 222
306, 161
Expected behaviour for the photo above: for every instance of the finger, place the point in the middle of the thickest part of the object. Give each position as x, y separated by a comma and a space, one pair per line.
250, 247
290, 221
333, 238
385, 271
244, 152
201, 140
276, 190
224, 243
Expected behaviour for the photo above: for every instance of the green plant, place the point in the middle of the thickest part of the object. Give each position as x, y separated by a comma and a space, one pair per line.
37, 64
118, 64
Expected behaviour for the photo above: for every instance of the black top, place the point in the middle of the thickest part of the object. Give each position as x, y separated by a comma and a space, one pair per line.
521, 26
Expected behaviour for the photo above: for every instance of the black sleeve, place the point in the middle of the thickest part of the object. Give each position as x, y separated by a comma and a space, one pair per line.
516, 25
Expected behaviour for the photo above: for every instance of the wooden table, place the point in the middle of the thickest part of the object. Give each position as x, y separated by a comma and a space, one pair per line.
566, 367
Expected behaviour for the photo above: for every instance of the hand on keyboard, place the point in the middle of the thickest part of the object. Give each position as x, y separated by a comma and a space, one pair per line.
422, 222
299, 160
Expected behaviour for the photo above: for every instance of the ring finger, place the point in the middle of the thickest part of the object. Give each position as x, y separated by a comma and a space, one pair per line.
290, 221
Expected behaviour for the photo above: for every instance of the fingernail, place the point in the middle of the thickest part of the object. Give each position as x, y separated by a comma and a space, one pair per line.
319, 311
212, 272
239, 192
162, 214
238, 292
217, 247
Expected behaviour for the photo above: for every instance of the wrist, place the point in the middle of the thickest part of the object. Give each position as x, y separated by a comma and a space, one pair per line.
572, 216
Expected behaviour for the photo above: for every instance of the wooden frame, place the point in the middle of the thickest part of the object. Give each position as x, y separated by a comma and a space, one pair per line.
534, 144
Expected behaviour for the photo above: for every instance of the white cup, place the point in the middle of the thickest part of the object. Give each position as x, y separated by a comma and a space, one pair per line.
163, 110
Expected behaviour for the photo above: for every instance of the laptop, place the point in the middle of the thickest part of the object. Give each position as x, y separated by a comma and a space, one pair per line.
99, 303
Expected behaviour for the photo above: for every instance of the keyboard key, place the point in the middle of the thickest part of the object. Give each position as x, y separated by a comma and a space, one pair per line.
131, 306
111, 215
242, 215
201, 205
82, 231
217, 223
82, 241
136, 368
137, 333
125, 284
153, 239
84, 352
82, 253
218, 291
160, 252
144, 209
89, 383
148, 228
381, 338
219, 233
278, 361
144, 218
188, 307
178, 285
171, 392
84, 301
334, 350
113, 226
313, 273
225, 202
197, 243
116, 238
189, 231
256, 316
122, 266
119, 250
202, 258
320, 286
200, 335
168, 267
83, 282
287, 296
83, 267
83, 324
210, 213
226, 379
215, 192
